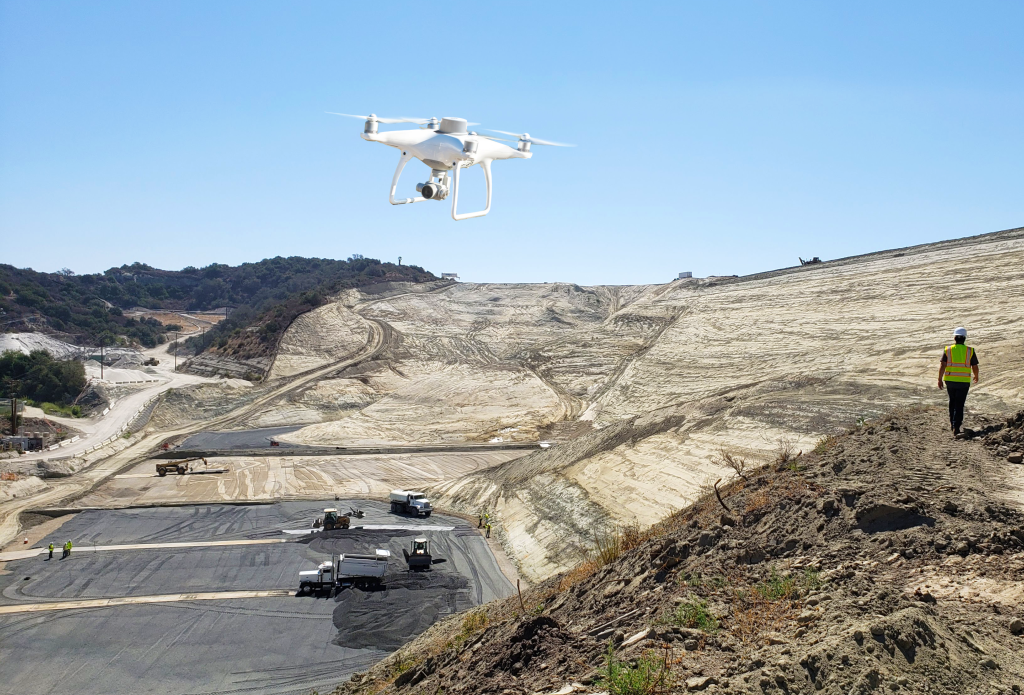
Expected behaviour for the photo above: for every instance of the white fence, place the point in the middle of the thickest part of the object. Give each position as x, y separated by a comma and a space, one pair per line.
120, 431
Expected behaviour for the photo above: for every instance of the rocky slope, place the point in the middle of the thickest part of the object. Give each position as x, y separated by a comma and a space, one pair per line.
887, 559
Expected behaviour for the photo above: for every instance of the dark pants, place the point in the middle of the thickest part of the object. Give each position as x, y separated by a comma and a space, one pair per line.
957, 391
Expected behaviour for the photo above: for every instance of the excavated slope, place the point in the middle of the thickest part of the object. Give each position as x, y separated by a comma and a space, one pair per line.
887, 560
744, 366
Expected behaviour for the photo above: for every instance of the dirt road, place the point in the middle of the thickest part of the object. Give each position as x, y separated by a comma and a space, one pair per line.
61, 489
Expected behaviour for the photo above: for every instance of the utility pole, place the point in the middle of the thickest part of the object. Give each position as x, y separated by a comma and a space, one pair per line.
175, 350
101, 361
203, 338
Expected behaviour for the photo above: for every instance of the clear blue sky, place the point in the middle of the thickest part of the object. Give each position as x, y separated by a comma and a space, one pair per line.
715, 137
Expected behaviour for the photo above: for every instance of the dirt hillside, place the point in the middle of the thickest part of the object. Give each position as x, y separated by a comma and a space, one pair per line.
743, 363
886, 560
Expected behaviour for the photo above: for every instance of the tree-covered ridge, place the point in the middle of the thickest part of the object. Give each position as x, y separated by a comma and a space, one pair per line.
88, 309
39, 377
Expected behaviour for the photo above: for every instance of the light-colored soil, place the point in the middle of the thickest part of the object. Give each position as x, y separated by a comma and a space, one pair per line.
319, 337
284, 477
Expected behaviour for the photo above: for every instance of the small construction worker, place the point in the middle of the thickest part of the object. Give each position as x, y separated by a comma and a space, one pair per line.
488, 528
958, 362
50, 548
479, 520
69, 547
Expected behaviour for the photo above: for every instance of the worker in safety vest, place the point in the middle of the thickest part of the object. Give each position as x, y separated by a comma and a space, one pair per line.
959, 361
50, 548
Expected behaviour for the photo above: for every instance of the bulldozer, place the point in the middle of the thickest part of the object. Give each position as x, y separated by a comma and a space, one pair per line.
331, 520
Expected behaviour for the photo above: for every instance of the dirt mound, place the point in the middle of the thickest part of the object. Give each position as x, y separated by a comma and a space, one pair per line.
1007, 441
887, 559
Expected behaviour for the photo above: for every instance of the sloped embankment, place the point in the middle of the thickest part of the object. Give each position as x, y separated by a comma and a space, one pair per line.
886, 560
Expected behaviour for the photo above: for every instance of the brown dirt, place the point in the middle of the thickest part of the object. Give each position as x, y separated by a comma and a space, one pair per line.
885, 561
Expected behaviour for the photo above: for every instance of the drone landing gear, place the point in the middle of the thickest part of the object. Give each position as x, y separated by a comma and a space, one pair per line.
403, 160
442, 185
486, 166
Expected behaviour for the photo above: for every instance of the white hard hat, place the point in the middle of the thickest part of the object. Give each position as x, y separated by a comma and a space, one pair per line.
961, 331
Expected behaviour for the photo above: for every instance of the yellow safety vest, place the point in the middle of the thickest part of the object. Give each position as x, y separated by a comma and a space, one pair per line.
958, 363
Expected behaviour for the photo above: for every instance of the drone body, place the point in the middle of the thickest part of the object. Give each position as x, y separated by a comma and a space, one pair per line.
447, 147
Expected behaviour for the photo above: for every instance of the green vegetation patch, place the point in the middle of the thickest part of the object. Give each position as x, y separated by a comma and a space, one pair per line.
40, 378
693, 613
644, 676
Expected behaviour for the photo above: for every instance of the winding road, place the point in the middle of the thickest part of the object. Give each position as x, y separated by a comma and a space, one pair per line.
64, 489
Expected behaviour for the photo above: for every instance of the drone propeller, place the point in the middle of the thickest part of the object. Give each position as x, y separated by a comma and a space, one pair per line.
372, 117
535, 141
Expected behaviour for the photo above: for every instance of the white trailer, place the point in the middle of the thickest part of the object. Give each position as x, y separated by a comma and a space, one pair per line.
409, 502
358, 569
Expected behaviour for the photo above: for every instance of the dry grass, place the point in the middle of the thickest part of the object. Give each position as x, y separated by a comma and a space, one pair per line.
726, 459
785, 450
825, 444
608, 547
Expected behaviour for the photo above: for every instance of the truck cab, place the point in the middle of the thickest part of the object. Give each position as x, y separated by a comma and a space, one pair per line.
320, 578
409, 502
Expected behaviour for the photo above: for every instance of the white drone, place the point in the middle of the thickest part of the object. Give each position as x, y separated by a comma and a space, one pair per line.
443, 146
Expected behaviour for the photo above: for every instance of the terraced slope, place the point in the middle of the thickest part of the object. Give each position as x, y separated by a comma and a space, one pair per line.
738, 366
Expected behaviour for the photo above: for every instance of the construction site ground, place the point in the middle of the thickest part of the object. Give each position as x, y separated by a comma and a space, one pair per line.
287, 477
887, 560
201, 599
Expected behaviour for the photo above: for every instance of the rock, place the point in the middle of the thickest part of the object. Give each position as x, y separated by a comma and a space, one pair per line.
812, 601
637, 637
950, 507
613, 588
806, 617
727, 520
1017, 626
988, 663
706, 539
775, 638
700, 682
877, 630
1015, 457
690, 645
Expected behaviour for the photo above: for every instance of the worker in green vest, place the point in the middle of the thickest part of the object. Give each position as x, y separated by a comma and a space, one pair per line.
959, 362
50, 548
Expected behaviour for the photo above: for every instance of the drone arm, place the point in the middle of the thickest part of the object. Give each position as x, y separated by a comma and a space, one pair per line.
486, 166
403, 160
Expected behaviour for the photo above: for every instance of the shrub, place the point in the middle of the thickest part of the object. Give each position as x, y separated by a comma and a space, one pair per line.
644, 677
693, 613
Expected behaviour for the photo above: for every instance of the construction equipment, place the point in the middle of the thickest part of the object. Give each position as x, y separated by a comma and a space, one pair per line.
408, 502
419, 558
184, 466
349, 569
331, 520
356, 513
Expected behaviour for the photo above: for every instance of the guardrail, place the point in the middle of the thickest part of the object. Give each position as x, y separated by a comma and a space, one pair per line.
128, 423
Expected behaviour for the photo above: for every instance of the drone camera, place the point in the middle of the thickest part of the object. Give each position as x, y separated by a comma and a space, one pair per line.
432, 190
470, 147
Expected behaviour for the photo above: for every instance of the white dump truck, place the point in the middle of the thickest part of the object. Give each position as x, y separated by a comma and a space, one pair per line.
408, 502
349, 567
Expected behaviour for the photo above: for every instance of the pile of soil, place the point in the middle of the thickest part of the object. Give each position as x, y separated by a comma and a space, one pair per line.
1007, 440
888, 560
